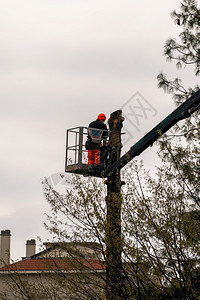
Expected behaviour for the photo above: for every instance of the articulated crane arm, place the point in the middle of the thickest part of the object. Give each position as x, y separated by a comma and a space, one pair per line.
182, 112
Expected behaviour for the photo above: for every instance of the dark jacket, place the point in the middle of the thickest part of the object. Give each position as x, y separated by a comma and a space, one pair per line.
99, 125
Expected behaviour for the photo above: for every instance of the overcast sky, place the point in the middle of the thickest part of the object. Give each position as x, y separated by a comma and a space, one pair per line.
61, 63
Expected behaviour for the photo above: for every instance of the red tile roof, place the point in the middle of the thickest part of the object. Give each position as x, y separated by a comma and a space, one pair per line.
53, 264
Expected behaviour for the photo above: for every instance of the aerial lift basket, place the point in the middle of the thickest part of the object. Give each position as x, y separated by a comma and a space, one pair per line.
76, 153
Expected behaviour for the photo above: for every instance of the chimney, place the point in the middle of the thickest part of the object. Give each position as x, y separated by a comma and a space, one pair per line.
30, 248
5, 248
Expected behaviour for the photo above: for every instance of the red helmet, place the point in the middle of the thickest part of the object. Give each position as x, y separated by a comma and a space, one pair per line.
101, 117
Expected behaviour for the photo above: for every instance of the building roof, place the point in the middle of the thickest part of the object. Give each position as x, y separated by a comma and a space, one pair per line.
54, 264
73, 249
91, 245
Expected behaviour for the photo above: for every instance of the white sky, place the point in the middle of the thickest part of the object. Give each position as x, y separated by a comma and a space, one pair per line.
61, 63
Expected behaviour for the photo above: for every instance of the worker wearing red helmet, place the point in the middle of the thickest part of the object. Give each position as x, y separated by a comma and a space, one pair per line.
93, 152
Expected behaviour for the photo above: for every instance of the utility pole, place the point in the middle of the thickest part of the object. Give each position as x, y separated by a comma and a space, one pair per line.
113, 217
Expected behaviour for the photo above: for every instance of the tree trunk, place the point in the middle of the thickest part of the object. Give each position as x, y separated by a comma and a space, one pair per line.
113, 225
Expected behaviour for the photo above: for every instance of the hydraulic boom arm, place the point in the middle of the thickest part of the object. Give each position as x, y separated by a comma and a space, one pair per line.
182, 112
